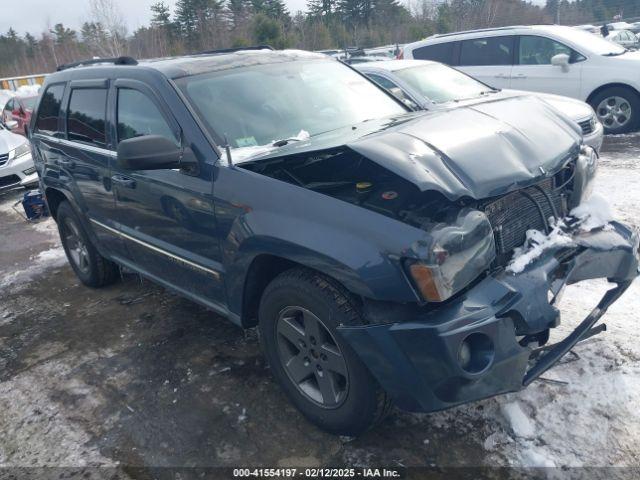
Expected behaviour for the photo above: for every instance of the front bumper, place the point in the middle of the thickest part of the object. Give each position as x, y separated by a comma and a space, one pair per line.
417, 360
12, 173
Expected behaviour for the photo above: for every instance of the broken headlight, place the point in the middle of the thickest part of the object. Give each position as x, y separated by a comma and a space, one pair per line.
458, 253
585, 172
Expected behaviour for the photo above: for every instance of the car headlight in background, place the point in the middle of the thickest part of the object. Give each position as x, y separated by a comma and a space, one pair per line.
20, 151
585, 172
457, 255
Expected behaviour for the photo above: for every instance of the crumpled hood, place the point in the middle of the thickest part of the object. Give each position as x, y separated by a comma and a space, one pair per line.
478, 151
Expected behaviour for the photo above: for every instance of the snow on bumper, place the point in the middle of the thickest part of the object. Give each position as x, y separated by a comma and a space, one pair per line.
484, 342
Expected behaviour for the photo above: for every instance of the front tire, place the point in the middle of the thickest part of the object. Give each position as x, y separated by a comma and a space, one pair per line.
618, 109
319, 372
89, 266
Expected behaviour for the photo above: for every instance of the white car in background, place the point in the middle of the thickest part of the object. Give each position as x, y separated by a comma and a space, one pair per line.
547, 58
16, 165
624, 38
433, 86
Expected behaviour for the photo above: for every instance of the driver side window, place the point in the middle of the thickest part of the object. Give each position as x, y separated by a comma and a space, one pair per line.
536, 50
138, 116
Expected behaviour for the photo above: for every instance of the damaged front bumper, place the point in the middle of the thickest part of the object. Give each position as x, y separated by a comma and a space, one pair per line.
485, 341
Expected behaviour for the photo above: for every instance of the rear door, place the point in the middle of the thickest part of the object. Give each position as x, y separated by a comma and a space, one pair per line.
166, 216
86, 153
533, 70
489, 59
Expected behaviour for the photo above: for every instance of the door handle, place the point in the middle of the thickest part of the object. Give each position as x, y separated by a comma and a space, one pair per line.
519, 76
123, 181
501, 75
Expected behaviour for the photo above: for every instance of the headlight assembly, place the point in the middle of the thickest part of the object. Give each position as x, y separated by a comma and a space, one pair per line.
459, 253
585, 172
20, 151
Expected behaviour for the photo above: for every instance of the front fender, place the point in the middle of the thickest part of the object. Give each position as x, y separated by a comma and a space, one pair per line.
363, 250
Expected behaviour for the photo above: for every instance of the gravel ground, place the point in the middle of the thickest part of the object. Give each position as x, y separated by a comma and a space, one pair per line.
134, 377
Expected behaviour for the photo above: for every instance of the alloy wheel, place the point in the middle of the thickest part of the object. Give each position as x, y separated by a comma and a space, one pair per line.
311, 357
614, 112
76, 247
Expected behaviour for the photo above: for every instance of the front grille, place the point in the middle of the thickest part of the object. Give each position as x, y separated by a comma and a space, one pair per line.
3, 159
586, 126
9, 180
527, 209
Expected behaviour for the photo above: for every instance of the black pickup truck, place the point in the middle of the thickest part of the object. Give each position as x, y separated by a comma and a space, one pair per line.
370, 244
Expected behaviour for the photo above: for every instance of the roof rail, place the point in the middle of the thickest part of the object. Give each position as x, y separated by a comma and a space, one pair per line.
94, 61
479, 30
237, 49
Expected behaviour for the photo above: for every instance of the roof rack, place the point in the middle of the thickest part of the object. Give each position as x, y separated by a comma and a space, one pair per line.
94, 61
479, 30
237, 49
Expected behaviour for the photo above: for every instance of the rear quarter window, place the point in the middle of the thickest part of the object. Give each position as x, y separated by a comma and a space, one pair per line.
440, 52
49, 110
86, 117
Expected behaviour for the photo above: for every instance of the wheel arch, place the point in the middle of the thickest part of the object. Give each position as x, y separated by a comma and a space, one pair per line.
602, 88
54, 197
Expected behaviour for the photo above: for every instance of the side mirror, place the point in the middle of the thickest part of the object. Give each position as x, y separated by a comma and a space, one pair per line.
150, 152
11, 124
561, 60
400, 95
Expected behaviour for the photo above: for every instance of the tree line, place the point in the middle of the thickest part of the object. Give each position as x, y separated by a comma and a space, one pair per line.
200, 25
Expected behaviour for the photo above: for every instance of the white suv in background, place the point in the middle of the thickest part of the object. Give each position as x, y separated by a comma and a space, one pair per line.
546, 58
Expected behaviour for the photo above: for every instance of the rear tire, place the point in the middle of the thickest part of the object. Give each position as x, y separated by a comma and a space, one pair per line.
319, 372
618, 109
89, 266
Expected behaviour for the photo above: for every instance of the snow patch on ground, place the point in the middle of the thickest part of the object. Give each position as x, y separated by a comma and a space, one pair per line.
31, 422
519, 421
52, 258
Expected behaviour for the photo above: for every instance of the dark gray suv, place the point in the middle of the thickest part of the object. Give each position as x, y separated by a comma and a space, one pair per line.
371, 245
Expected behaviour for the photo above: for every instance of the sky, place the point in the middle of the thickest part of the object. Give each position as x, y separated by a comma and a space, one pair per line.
34, 15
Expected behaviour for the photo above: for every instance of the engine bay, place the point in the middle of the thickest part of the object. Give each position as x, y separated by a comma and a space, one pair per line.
350, 177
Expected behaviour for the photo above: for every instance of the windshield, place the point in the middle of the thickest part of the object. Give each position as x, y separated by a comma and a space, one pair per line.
258, 105
440, 83
591, 42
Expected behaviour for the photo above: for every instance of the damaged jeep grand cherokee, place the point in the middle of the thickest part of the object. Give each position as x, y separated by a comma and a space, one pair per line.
372, 246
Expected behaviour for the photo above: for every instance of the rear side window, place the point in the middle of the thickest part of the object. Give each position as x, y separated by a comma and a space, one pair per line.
487, 51
49, 110
86, 119
139, 116
440, 52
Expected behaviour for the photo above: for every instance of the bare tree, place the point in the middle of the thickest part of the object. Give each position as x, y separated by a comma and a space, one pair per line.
107, 14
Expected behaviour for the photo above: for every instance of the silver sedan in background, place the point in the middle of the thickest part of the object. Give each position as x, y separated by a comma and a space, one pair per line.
428, 85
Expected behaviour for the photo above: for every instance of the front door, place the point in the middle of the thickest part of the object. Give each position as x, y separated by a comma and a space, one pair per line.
166, 217
533, 70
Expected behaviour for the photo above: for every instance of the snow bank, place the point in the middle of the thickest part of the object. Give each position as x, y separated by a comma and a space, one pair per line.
519, 422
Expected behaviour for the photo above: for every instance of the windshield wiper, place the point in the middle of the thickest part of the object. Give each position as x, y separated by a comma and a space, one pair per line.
284, 141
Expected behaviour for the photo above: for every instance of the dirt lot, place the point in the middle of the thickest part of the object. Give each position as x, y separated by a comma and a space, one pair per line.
132, 375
